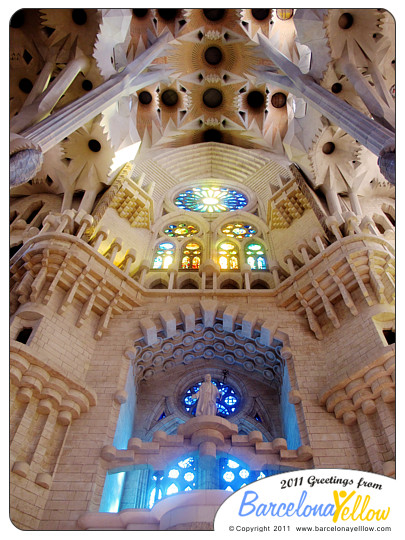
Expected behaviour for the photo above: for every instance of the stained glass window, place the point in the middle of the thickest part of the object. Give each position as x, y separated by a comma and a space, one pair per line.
181, 476
211, 199
226, 406
182, 230
255, 256
191, 256
228, 256
238, 230
233, 474
164, 255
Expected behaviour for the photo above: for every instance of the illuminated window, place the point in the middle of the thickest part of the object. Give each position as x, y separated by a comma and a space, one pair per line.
181, 476
226, 406
238, 230
228, 256
191, 256
233, 474
182, 230
255, 256
211, 199
164, 255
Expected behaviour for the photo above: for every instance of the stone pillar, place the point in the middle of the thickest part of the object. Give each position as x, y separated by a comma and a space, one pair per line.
363, 129
316, 235
247, 272
129, 260
144, 268
85, 222
66, 219
333, 225
59, 125
355, 203
42, 105
288, 258
367, 225
332, 200
302, 247
115, 247
101, 235
273, 267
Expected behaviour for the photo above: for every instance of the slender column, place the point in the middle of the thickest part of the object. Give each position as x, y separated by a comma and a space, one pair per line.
333, 225
59, 125
332, 200
316, 235
273, 266
45, 102
355, 203
362, 87
86, 221
115, 247
101, 235
365, 130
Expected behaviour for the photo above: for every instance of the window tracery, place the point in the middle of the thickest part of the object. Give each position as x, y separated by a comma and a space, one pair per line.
255, 256
238, 230
227, 406
164, 256
181, 230
228, 256
191, 256
210, 199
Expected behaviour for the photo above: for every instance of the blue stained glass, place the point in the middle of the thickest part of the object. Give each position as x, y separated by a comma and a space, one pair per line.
226, 405
211, 199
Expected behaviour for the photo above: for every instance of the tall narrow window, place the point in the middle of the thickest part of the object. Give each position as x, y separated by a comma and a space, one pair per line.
191, 256
164, 256
255, 256
228, 256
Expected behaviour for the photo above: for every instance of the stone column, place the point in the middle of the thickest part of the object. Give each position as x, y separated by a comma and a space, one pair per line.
377, 138
42, 105
59, 125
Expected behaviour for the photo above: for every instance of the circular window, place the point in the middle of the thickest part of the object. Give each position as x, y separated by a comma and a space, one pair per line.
79, 16
214, 14
94, 145
345, 21
255, 99
212, 98
170, 98
260, 14
278, 100
210, 199
328, 147
145, 97
213, 55
227, 405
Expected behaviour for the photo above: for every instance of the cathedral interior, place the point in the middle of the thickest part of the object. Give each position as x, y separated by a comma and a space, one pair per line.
197, 192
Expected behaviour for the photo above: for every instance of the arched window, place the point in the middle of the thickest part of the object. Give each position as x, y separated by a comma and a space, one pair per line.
181, 230
228, 256
191, 256
164, 256
255, 256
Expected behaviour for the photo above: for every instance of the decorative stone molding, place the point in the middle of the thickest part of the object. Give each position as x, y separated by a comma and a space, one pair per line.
344, 266
361, 390
63, 261
208, 434
35, 377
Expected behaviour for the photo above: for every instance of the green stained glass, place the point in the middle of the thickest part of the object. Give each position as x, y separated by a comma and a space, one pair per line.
181, 230
255, 256
211, 199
